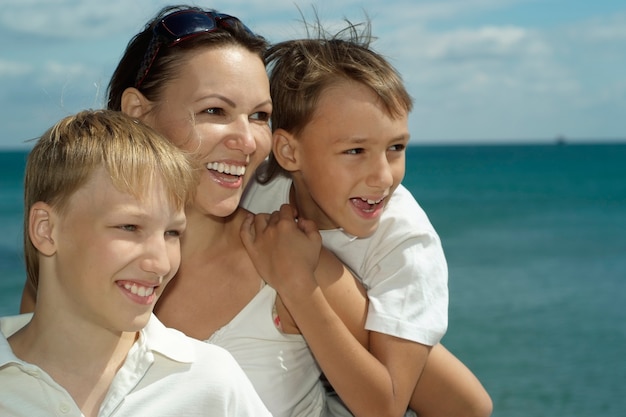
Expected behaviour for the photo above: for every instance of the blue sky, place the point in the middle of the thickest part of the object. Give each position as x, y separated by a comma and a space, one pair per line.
480, 71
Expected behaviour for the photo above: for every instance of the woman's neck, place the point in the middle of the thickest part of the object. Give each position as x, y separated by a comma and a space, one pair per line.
204, 231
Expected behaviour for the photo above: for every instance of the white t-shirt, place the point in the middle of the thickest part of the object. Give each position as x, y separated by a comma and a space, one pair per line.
402, 265
165, 374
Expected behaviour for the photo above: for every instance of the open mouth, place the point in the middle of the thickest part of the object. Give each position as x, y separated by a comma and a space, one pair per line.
229, 169
367, 205
139, 290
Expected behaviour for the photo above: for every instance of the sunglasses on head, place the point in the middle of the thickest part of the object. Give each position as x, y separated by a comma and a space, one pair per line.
180, 26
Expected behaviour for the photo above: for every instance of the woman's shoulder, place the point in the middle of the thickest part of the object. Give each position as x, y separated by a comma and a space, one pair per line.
266, 197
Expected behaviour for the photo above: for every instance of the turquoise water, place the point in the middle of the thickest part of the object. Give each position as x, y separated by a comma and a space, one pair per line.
536, 245
11, 220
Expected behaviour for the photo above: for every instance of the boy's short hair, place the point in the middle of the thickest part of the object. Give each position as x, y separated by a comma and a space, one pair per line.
301, 69
133, 154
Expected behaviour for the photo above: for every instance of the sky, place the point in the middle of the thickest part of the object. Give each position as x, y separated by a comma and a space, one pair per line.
479, 71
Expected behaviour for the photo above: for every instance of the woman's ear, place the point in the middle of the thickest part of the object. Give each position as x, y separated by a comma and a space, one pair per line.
134, 103
40, 225
285, 150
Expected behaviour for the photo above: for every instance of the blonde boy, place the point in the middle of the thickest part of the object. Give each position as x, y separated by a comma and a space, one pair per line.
104, 214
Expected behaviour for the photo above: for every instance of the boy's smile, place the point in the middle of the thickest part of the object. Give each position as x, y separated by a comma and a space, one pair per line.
139, 293
369, 208
350, 159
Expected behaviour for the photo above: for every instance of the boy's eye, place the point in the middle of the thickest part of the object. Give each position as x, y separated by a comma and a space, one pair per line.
128, 227
173, 233
398, 147
354, 151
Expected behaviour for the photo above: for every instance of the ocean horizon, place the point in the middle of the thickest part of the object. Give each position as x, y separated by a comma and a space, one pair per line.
536, 249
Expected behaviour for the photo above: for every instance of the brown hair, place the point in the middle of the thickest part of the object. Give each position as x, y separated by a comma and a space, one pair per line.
169, 59
301, 69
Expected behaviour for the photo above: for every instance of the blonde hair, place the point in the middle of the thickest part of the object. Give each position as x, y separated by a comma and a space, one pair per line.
132, 153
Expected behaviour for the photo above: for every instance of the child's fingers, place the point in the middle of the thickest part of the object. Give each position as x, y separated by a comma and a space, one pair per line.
287, 212
307, 226
247, 231
274, 218
252, 226
310, 229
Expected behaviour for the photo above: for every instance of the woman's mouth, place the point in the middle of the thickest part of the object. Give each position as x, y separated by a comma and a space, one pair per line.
230, 169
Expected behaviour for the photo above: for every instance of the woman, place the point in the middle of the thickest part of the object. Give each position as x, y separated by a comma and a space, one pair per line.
202, 83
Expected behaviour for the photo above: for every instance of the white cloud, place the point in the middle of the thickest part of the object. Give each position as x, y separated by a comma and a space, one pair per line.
489, 42
473, 74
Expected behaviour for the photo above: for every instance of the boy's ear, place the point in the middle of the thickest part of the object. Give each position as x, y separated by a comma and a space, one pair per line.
134, 103
40, 225
285, 149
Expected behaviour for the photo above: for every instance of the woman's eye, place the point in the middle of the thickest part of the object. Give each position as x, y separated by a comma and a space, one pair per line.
261, 116
216, 111
398, 147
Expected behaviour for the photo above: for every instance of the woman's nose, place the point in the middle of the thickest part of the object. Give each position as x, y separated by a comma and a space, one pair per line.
242, 136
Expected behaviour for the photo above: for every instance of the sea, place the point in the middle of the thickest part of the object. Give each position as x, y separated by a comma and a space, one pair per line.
535, 238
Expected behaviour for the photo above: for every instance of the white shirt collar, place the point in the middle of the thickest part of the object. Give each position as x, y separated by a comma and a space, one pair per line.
154, 337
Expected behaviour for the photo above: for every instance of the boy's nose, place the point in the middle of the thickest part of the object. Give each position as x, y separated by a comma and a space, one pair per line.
157, 259
381, 174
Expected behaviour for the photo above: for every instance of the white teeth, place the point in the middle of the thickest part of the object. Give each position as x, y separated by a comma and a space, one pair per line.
140, 291
372, 201
229, 169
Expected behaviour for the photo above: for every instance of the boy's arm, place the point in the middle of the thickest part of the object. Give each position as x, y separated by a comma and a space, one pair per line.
283, 250
448, 388
344, 293
376, 383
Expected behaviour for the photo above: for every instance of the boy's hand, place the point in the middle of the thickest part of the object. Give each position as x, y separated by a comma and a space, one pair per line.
284, 249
